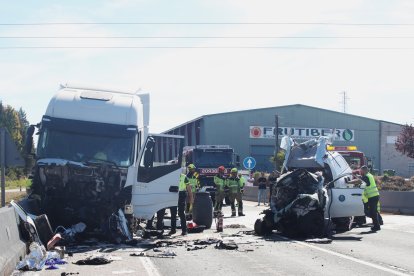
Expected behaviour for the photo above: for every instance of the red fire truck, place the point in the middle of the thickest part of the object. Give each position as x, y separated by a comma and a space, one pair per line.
355, 158
207, 159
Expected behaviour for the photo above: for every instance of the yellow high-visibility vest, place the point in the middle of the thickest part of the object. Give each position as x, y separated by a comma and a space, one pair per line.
219, 181
371, 190
183, 183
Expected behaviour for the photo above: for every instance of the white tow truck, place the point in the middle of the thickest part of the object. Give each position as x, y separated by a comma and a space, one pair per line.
313, 193
95, 157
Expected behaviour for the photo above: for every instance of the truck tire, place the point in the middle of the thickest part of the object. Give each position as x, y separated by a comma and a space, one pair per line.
261, 228
343, 224
203, 209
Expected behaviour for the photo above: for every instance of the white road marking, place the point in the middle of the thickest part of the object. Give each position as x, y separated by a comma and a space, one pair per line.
149, 266
346, 257
123, 272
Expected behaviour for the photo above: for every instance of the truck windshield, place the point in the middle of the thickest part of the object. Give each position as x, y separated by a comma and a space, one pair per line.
85, 147
213, 159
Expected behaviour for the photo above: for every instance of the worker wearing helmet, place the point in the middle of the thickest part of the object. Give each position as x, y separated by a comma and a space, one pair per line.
219, 181
192, 176
235, 187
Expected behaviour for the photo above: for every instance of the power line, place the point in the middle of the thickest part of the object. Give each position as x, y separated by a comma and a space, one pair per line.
205, 23
206, 37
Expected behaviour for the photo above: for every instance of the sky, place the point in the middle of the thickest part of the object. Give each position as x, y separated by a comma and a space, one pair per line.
277, 53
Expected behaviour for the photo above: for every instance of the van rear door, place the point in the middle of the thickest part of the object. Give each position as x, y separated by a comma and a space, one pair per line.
159, 169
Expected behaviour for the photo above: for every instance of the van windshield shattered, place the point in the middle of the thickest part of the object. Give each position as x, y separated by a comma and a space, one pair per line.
86, 147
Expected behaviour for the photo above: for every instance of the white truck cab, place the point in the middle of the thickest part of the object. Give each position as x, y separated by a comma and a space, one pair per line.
95, 156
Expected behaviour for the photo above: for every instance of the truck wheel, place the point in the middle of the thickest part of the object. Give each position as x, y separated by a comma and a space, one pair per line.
261, 228
360, 221
343, 224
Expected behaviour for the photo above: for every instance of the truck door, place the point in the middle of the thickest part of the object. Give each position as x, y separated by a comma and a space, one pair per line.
159, 168
346, 202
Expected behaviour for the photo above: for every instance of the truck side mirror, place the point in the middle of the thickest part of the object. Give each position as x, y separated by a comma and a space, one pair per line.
28, 146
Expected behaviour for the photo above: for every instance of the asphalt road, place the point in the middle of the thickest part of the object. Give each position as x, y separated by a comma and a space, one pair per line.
357, 252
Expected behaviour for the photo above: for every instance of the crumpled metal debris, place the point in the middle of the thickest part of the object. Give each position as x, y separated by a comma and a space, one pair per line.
235, 226
69, 233
37, 258
194, 248
228, 245
207, 241
93, 261
320, 241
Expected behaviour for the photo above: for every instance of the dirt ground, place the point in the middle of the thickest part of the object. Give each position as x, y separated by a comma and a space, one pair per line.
14, 195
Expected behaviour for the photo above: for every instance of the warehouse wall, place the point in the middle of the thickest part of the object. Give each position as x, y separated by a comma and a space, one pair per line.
233, 128
390, 158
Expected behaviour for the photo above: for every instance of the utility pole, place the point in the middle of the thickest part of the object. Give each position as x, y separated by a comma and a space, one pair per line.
276, 140
3, 166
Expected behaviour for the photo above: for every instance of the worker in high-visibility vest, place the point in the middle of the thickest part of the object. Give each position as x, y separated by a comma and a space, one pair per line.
366, 208
219, 181
184, 191
192, 176
235, 187
372, 194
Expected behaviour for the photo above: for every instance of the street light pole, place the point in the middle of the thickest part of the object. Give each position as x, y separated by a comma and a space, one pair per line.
276, 140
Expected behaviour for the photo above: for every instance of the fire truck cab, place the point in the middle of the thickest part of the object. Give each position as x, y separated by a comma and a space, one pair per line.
207, 159
353, 157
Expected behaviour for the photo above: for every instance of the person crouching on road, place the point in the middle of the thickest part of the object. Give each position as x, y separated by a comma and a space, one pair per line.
219, 181
192, 176
235, 187
372, 194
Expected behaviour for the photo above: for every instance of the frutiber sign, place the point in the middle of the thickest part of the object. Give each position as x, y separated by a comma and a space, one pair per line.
264, 132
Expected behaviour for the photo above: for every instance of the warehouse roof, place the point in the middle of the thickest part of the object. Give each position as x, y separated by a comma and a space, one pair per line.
273, 107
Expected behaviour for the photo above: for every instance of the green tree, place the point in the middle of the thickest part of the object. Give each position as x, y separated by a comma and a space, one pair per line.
16, 124
280, 157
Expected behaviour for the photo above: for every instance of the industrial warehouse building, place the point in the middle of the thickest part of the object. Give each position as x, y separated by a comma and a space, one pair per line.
251, 133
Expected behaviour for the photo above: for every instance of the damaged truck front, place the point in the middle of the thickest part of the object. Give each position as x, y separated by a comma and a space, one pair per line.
313, 196
90, 165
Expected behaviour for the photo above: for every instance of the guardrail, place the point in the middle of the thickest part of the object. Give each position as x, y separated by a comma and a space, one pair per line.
397, 202
391, 201
12, 249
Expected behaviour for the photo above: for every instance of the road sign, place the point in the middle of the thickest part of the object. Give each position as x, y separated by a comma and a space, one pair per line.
249, 163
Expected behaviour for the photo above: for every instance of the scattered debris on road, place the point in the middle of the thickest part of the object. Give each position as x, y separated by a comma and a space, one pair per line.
320, 241
93, 261
235, 226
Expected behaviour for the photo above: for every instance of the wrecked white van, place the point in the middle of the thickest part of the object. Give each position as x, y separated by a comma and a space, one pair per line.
312, 194
95, 157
